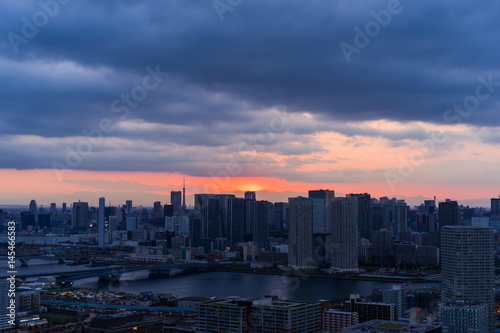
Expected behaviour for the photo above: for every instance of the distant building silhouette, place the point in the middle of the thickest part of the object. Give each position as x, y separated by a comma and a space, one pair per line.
80, 215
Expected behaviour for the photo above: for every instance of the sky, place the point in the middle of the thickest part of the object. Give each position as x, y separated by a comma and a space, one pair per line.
125, 99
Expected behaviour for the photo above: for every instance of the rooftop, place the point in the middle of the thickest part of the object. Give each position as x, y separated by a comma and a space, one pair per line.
384, 326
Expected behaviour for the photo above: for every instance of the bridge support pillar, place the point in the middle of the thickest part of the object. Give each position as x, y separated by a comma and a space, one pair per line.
109, 278
24, 261
159, 272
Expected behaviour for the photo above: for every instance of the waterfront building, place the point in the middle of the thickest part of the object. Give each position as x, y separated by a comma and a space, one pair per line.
321, 212
468, 267
344, 238
300, 236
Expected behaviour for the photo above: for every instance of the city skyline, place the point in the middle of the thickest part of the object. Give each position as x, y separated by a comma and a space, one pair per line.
307, 102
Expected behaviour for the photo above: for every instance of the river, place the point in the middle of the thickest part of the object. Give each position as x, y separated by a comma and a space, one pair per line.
221, 284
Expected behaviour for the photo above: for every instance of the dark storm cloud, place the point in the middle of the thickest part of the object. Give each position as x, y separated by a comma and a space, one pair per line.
224, 74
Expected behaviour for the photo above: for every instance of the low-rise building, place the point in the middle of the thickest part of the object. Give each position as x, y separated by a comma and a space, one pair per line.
266, 314
384, 326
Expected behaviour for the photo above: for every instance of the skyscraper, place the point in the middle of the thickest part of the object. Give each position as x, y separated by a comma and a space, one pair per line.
128, 205
321, 211
33, 207
249, 220
250, 195
300, 236
495, 206
281, 215
80, 215
344, 238
365, 227
44, 221
101, 223
168, 210
157, 210
176, 201
261, 231
400, 218
27, 219
468, 267
321, 200
236, 220
448, 213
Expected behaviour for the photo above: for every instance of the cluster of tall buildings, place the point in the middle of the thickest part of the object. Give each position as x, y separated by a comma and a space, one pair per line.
324, 230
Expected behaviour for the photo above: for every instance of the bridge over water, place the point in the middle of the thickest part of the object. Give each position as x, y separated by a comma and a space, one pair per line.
115, 272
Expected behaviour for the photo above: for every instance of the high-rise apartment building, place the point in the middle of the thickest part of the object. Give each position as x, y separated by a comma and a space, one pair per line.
236, 220
365, 227
213, 210
321, 203
300, 235
468, 267
261, 224
344, 238
281, 215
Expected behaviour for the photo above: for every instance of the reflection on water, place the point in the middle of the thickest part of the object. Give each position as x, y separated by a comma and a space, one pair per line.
219, 284
223, 284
